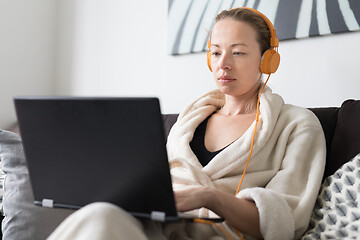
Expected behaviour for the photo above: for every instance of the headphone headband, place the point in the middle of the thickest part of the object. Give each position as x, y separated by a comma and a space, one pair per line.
274, 41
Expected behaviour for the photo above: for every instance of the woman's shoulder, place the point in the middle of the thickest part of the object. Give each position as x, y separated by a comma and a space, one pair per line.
299, 115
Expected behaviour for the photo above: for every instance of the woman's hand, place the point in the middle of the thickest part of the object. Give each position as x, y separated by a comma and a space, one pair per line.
193, 198
238, 212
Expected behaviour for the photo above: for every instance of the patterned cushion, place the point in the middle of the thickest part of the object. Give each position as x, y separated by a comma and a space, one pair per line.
2, 177
337, 214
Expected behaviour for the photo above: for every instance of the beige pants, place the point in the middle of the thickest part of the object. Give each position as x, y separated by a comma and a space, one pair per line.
99, 221
106, 221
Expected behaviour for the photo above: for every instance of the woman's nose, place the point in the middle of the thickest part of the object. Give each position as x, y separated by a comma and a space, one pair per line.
225, 62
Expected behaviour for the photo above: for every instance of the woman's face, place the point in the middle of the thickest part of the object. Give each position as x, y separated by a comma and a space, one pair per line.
235, 57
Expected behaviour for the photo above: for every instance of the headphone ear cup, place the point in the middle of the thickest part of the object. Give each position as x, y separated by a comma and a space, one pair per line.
209, 60
270, 61
208, 56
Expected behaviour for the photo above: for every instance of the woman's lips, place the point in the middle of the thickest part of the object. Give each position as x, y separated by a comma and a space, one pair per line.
225, 79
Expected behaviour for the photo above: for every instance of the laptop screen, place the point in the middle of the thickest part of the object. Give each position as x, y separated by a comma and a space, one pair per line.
83, 150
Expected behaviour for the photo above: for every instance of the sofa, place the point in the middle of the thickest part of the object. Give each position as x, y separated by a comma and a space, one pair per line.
341, 125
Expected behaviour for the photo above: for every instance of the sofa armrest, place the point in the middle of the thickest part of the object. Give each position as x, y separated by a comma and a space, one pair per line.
23, 220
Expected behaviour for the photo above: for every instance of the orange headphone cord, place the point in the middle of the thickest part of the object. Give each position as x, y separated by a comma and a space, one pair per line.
198, 220
253, 137
227, 235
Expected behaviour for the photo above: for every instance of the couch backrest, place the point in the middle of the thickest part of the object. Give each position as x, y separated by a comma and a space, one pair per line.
345, 143
169, 120
341, 127
328, 119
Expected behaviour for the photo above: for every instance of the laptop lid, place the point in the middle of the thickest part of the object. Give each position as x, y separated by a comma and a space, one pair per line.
84, 150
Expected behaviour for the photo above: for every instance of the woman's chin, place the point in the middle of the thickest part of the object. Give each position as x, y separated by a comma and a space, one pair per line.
228, 90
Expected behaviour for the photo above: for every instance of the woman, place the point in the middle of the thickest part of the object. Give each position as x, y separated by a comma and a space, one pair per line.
209, 146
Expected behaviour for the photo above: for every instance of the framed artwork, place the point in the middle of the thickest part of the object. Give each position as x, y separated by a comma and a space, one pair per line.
190, 21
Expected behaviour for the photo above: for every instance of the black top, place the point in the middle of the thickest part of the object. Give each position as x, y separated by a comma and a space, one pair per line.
198, 144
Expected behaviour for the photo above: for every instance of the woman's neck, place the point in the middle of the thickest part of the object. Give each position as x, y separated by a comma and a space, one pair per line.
243, 104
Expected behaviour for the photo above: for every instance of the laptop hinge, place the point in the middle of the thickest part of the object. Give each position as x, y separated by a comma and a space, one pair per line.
158, 216
47, 203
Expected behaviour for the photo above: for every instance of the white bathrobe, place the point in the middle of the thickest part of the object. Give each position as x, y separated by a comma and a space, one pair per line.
285, 171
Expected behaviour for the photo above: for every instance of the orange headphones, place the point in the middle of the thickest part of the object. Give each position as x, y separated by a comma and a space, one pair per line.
271, 58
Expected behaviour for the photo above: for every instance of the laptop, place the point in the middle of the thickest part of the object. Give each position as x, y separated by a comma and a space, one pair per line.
81, 150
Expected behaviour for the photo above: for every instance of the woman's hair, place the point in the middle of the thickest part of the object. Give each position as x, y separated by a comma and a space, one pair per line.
251, 18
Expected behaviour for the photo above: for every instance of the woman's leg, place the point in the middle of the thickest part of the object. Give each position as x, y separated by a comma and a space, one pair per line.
99, 221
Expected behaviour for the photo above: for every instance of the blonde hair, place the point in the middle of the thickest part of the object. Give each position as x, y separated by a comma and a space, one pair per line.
251, 18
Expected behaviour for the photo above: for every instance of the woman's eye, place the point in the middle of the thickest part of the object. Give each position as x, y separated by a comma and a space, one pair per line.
215, 53
238, 53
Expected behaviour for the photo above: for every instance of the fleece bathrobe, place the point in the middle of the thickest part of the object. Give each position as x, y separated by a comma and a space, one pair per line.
285, 171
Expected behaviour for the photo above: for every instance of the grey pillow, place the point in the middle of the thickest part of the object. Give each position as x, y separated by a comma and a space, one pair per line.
23, 220
336, 214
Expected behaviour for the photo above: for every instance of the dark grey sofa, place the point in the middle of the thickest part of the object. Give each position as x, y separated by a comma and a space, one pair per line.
24, 220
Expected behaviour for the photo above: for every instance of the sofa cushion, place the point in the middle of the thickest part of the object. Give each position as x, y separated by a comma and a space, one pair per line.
346, 140
23, 220
336, 214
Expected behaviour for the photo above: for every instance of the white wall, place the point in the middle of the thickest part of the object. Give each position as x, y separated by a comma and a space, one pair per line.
120, 49
27, 51
64, 48
320, 71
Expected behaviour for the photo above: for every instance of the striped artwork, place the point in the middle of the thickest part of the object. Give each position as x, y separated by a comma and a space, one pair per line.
190, 21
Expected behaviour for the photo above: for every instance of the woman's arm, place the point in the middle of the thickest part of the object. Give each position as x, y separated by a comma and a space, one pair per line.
240, 213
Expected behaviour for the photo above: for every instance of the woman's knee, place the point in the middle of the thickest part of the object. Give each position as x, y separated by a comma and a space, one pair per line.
100, 221
107, 212
99, 209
